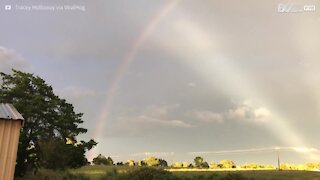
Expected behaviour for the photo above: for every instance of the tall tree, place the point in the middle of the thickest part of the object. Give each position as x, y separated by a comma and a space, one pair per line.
47, 117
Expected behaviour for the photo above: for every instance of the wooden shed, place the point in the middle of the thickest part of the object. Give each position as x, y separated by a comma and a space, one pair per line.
11, 122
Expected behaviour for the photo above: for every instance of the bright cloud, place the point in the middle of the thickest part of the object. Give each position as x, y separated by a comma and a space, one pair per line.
246, 111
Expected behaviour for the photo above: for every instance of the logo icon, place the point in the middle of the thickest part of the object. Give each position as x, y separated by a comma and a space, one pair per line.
309, 8
7, 7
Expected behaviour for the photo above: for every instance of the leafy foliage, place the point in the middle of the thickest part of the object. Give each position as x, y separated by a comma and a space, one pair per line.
48, 118
163, 163
59, 155
130, 162
176, 165
152, 161
213, 165
227, 164
102, 160
200, 163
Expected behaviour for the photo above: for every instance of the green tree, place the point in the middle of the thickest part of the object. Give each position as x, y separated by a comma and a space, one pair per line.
163, 163
119, 164
102, 160
55, 154
47, 117
198, 161
205, 165
142, 163
109, 161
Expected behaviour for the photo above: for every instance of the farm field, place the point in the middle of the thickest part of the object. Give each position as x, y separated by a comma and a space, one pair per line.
125, 172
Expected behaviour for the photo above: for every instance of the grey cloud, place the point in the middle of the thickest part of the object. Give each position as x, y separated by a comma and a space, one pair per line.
154, 122
76, 92
157, 111
9, 59
153, 118
207, 116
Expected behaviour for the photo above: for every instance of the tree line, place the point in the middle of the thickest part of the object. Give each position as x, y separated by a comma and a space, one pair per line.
198, 162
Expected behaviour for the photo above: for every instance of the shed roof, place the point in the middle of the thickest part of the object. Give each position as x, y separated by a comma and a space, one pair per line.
9, 112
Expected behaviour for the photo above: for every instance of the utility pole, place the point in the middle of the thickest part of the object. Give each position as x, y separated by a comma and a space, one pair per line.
277, 150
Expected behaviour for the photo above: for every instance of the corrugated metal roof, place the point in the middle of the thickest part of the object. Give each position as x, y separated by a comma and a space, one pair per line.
8, 111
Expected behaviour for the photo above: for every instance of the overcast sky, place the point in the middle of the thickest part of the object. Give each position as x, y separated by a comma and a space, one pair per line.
176, 77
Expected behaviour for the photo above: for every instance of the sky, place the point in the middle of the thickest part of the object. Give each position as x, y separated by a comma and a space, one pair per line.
176, 79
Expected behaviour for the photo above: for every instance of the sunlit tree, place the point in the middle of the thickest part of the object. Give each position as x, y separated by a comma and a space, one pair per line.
130, 162
152, 161
185, 165
227, 164
213, 165
176, 165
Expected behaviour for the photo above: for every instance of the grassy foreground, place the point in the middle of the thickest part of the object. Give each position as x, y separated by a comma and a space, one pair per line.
137, 173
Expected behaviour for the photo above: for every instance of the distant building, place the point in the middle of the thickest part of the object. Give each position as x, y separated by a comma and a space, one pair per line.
11, 122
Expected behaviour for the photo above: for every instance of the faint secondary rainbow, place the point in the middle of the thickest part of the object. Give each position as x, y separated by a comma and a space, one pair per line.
211, 63
127, 61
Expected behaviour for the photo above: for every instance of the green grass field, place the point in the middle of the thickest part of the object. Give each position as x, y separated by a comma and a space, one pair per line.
112, 172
